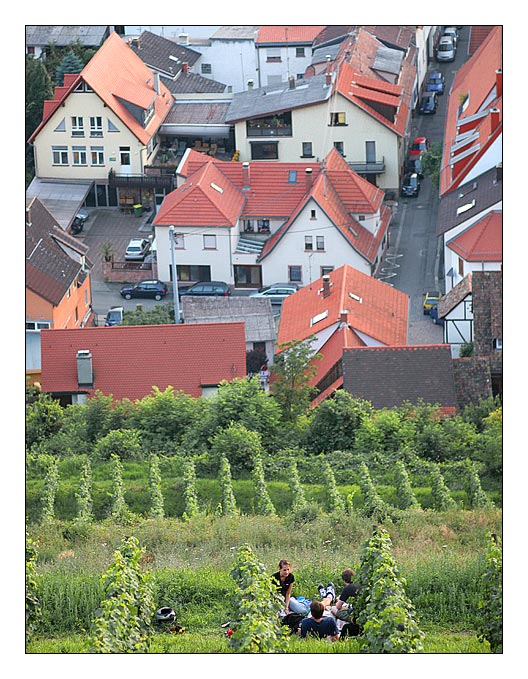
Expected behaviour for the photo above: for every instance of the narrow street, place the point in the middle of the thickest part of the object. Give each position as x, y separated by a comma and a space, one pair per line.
413, 263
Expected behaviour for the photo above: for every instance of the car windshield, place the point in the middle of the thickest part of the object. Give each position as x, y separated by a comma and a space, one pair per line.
114, 316
445, 47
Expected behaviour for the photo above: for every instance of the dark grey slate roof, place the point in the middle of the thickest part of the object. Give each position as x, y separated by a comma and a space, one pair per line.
53, 257
391, 376
274, 99
256, 313
162, 54
89, 36
485, 190
192, 83
199, 113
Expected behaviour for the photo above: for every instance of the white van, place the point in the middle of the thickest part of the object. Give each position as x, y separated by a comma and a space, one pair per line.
446, 50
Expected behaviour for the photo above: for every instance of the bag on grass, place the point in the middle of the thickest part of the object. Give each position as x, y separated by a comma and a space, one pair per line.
293, 621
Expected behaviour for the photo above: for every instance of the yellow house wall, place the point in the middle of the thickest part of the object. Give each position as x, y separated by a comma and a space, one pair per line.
85, 104
310, 124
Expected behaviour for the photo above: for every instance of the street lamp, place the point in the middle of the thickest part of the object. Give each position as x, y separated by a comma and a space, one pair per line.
174, 277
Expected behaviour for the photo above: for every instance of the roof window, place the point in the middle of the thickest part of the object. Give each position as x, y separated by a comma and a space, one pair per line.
318, 318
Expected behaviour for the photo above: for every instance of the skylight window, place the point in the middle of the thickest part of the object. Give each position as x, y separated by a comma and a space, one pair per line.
217, 188
292, 177
318, 318
468, 189
356, 297
466, 207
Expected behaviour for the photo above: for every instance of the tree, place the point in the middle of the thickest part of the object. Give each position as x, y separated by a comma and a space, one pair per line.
404, 490
373, 505
84, 494
156, 496
228, 503
293, 370
466, 349
335, 422
38, 89
51, 485
238, 444
33, 609
160, 314
70, 64
336, 504
190, 494
256, 605
442, 500
263, 503
44, 417
431, 162
124, 443
124, 622
489, 625
384, 613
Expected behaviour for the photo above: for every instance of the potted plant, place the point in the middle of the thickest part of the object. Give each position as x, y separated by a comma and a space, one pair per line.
107, 251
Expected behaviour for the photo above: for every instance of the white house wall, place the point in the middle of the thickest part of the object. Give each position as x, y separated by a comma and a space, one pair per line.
290, 250
491, 158
310, 124
289, 64
451, 258
85, 105
233, 62
458, 326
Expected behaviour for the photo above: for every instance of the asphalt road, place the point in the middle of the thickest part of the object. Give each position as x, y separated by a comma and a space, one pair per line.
413, 261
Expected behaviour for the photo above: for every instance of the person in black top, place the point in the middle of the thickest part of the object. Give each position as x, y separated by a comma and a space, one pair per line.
319, 625
284, 579
349, 591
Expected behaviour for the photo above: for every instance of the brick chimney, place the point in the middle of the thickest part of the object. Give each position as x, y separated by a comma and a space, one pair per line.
328, 79
326, 286
308, 173
343, 317
495, 118
245, 175
291, 81
498, 86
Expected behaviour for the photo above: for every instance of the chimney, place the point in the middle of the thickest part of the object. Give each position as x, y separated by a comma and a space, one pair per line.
308, 172
498, 86
245, 175
343, 317
185, 67
328, 79
156, 83
84, 368
184, 38
495, 118
291, 81
250, 84
326, 286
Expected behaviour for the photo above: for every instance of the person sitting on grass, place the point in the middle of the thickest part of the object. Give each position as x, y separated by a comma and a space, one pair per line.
318, 624
284, 580
349, 591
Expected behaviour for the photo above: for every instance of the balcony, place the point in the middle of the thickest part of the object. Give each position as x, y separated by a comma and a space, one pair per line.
154, 178
368, 167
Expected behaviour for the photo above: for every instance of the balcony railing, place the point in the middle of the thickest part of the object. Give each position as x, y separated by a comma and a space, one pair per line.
160, 182
269, 131
368, 167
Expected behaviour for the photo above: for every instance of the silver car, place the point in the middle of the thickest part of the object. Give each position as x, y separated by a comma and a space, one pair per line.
446, 50
137, 249
276, 293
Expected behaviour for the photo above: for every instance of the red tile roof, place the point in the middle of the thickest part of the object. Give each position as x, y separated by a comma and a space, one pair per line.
482, 242
287, 34
207, 198
478, 79
477, 35
271, 192
129, 360
339, 191
381, 314
118, 76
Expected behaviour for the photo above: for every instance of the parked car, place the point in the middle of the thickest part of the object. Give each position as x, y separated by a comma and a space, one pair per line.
435, 317
419, 145
452, 32
137, 249
430, 300
208, 289
410, 185
277, 292
435, 82
79, 221
428, 103
446, 50
146, 289
114, 316
414, 164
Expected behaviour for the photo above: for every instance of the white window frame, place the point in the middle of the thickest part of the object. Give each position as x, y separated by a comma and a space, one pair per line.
77, 126
308, 243
319, 243
97, 156
209, 241
59, 155
79, 155
96, 126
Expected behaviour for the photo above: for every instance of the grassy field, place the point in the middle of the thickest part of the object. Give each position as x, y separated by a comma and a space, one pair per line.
441, 556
